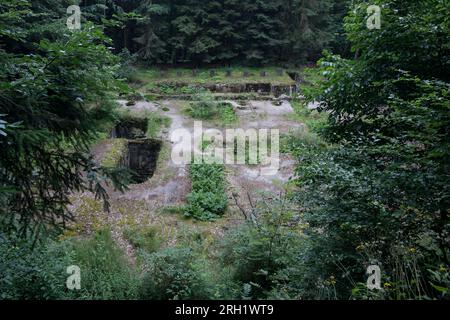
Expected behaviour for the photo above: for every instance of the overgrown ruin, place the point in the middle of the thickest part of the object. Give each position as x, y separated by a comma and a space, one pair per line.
141, 158
141, 153
130, 128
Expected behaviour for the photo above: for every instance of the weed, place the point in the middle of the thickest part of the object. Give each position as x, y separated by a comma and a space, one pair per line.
208, 198
143, 237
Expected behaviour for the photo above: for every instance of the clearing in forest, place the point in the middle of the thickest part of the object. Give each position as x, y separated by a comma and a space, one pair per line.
157, 201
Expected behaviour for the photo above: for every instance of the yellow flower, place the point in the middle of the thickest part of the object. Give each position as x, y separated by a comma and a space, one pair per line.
331, 281
412, 250
387, 285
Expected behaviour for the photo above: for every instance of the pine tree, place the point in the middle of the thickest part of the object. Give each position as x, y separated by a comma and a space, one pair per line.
232, 31
52, 101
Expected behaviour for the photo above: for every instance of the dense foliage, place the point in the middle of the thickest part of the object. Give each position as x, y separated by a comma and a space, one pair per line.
226, 31
260, 251
39, 271
372, 180
208, 199
174, 273
54, 97
380, 194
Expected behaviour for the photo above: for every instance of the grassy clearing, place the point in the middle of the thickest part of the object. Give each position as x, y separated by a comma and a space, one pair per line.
153, 76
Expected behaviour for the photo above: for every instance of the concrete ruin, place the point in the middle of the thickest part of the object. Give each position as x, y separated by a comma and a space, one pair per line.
141, 154
141, 158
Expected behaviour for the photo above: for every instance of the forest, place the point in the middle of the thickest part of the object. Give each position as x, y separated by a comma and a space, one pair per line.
98, 98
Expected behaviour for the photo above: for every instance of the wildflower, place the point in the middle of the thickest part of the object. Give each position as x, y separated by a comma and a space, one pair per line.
331, 281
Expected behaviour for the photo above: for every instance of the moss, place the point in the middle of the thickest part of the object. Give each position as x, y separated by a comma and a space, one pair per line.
114, 156
156, 123
88, 215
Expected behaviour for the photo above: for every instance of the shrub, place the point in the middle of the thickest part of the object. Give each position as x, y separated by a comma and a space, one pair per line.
174, 274
208, 198
126, 70
226, 113
381, 194
204, 107
300, 141
28, 273
261, 249
38, 271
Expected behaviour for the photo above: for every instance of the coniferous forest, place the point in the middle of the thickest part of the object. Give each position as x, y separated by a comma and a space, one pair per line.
98, 98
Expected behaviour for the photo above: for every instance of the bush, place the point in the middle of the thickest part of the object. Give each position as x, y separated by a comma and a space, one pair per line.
28, 273
381, 193
126, 70
205, 205
174, 274
261, 249
39, 272
226, 114
208, 198
204, 106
